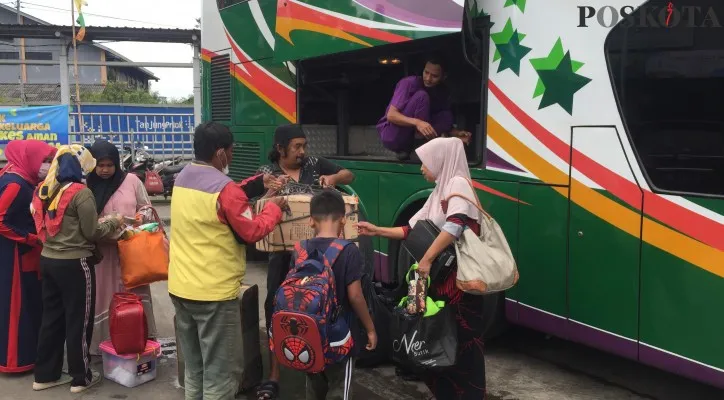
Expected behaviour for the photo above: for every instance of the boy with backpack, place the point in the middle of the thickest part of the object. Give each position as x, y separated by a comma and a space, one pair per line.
317, 309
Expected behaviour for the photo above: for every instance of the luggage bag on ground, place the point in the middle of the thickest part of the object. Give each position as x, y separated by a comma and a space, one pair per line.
127, 323
381, 311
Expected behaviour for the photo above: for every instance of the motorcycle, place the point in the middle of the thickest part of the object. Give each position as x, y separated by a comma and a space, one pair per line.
158, 177
138, 161
168, 176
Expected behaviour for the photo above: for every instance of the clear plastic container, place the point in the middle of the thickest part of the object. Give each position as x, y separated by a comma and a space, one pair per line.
130, 370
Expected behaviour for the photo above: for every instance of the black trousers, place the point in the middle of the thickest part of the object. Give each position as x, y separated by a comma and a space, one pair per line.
279, 265
69, 293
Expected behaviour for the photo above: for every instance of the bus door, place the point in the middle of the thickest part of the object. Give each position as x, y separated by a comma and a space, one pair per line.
604, 244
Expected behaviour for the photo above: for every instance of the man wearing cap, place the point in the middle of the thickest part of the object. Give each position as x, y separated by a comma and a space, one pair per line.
289, 164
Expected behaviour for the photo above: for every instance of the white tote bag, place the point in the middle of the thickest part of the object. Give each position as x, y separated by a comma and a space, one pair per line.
485, 263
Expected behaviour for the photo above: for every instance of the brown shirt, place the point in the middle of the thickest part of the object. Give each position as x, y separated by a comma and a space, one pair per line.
79, 229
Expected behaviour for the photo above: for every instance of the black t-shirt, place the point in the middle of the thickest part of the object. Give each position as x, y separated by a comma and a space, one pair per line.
312, 168
348, 268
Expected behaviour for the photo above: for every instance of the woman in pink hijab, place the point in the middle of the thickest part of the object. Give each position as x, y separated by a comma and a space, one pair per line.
445, 164
20, 292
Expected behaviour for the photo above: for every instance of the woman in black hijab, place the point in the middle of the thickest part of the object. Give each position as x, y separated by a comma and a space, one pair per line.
116, 192
104, 181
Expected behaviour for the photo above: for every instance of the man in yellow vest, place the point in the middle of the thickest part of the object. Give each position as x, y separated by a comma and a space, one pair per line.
212, 222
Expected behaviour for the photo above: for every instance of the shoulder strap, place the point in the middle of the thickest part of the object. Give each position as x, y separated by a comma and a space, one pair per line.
333, 251
475, 203
300, 252
330, 257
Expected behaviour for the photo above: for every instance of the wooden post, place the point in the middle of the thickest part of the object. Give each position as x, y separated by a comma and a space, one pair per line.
75, 68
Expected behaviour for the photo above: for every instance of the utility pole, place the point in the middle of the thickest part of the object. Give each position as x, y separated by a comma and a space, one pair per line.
21, 54
75, 67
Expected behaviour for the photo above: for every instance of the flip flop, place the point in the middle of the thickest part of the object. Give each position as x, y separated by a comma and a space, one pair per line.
268, 390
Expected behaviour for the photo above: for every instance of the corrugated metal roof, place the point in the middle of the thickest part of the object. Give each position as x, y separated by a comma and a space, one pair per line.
12, 30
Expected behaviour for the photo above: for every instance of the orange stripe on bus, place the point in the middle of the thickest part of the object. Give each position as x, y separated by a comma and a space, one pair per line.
654, 233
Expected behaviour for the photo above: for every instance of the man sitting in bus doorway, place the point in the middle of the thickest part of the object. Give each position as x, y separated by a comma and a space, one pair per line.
419, 109
291, 171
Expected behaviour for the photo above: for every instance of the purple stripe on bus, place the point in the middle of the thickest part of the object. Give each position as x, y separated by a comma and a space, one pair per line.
435, 13
496, 161
680, 366
570, 330
603, 340
541, 321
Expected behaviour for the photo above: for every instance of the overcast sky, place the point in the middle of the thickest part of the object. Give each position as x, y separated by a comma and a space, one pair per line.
174, 82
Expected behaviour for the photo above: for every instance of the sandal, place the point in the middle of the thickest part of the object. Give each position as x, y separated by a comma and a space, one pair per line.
268, 390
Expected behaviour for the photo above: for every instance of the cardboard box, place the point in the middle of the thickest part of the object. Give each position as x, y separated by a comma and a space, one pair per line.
295, 224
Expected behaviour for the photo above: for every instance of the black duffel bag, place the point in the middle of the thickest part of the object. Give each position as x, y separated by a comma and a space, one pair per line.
381, 312
420, 239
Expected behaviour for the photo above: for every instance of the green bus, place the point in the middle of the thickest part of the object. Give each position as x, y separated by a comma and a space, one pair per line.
598, 144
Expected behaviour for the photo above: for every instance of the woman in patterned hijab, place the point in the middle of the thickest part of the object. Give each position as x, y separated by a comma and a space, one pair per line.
65, 216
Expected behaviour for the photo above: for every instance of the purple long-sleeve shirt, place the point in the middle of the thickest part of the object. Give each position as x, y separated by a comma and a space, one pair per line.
440, 115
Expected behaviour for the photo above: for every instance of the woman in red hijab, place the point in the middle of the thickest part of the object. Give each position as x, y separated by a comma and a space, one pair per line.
20, 292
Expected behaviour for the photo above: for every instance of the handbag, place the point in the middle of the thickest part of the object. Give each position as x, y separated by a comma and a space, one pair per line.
144, 256
153, 183
420, 239
424, 341
485, 263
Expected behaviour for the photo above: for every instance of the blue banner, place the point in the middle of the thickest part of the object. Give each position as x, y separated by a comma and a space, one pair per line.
49, 124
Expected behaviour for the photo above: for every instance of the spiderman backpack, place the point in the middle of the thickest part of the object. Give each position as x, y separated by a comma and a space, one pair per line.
307, 329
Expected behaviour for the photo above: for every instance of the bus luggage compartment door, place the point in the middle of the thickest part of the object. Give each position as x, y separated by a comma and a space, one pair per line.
604, 245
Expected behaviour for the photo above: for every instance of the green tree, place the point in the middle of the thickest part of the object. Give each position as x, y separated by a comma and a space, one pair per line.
184, 100
120, 92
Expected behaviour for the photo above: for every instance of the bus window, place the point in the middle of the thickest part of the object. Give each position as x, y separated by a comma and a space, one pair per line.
343, 96
669, 80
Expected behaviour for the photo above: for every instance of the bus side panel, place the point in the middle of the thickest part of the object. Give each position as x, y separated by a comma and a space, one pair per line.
260, 99
317, 27
681, 313
205, 91
248, 151
543, 236
263, 91
250, 24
